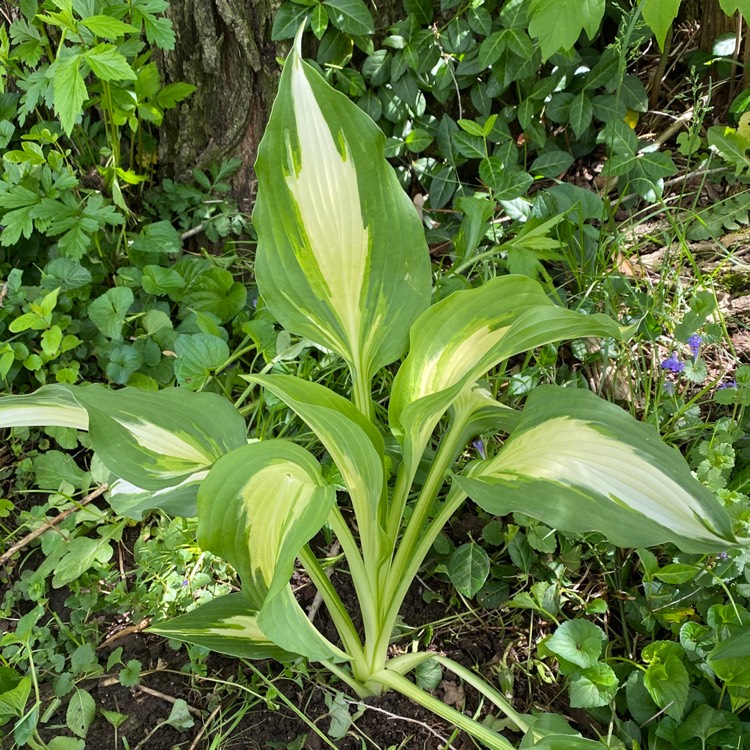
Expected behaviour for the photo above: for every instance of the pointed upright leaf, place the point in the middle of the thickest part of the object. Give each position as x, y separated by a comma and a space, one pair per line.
461, 338
353, 442
342, 257
580, 464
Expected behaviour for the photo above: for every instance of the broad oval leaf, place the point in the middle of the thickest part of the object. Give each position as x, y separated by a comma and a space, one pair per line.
579, 463
342, 257
258, 506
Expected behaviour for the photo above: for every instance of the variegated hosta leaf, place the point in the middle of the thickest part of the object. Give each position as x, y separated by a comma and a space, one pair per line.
226, 625
156, 440
49, 406
579, 463
258, 506
341, 257
352, 441
134, 502
458, 340
479, 412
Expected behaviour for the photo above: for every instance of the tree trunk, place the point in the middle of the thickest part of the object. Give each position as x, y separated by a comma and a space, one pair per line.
714, 22
224, 48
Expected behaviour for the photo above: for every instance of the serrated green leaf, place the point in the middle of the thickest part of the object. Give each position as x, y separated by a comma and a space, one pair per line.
468, 568
70, 90
80, 713
108, 27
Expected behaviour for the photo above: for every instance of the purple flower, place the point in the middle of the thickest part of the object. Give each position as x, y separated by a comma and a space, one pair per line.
672, 364
479, 447
727, 384
694, 342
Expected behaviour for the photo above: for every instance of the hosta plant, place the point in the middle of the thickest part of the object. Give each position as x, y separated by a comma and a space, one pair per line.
342, 260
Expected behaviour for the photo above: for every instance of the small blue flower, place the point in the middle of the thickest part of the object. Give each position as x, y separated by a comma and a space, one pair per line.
694, 342
672, 364
185, 583
727, 384
479, 447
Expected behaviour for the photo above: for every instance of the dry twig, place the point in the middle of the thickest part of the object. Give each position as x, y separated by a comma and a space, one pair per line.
51, 524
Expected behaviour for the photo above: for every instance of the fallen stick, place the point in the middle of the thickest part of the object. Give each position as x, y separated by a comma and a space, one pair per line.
59, 518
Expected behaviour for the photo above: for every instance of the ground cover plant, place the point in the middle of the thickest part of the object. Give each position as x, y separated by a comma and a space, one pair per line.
483, 108
325, 188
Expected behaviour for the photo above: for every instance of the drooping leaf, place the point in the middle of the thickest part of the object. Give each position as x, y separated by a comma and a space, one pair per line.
155, 440
557, 24
227, 625
80, 713
51, 405
134, 502
341, 257
579, 464
659, 15
258, 506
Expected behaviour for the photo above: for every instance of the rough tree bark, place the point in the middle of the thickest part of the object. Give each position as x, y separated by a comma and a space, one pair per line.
223, 47
714, 22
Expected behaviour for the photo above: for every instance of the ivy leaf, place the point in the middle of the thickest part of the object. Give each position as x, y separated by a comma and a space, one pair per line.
130, 675
172, 93
197, 356
108, 64
557, 24
70, 90
108, 311
468, 568
578, 641
350, 16
592, 687
80, 713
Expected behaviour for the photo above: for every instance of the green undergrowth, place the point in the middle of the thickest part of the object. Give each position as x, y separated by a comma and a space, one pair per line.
491, 114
